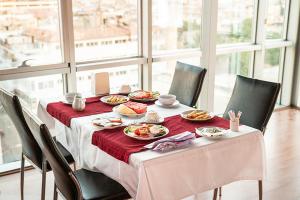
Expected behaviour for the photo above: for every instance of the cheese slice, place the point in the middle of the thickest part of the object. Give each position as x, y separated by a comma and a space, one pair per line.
122, 109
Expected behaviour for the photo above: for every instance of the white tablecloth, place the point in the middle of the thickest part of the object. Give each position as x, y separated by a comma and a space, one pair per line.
205, 165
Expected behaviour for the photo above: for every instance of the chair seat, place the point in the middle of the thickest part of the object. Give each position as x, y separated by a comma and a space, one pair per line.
95, 185
69, 158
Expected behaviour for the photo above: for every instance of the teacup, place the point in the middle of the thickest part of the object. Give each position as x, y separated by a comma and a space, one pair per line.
152, 117
70, 96
167, 99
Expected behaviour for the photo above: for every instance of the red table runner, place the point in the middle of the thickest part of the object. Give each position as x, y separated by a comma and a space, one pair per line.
64, 113
117, 144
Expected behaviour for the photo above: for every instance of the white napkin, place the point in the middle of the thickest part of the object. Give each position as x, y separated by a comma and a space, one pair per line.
173, 142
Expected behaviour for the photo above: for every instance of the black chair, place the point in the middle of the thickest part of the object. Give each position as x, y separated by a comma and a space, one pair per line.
187, 83
77, 185
30, 148
256, 99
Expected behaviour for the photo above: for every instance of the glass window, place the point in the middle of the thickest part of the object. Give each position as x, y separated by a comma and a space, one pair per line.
29, 90
227, 67
162, 73
235, 21
105, 29
274, 22
29, 30
270, 71
118, 76
176, 25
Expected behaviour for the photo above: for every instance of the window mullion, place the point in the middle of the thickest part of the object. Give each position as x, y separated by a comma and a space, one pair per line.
147, 44
209, 36
68, 43
260, 38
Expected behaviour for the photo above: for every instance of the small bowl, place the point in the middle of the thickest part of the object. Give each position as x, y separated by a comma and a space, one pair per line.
167, 99
70, 96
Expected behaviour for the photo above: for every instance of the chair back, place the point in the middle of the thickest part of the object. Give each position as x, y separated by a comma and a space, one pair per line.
187, 83
256, 99
64, 177
13, 108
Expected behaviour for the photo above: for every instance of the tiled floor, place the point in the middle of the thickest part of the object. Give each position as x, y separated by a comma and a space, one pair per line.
282, 141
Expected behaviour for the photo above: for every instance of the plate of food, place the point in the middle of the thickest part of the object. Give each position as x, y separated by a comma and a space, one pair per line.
143, 96
131, 109
114, 99
146, 131
210, 132
108, 122
197, 115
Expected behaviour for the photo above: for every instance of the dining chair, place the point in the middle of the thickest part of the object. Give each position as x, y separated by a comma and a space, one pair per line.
30, 148
187, 83
256, 99
78, 185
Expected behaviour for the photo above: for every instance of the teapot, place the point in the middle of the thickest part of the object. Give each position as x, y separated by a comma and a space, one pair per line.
78, 103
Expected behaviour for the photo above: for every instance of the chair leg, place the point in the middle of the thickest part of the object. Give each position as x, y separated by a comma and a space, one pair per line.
74, 165
260, 189
55, 192
22, 177
220, 191
44, 170
215, 194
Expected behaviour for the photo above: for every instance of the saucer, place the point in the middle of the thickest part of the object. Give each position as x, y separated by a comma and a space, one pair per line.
160, 120
175, 104
66, 102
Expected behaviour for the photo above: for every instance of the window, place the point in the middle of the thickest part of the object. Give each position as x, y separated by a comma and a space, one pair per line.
176, 24
235, 21
162, 73
29, 31
106, 23
227, 67
274, 23
117, 77
29, 91
270, 71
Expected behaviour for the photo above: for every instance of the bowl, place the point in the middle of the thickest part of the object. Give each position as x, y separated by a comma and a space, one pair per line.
167, 99
70, 96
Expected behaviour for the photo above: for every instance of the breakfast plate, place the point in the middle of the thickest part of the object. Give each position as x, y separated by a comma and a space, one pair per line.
131, 109
146, 131
108, 122
143, 96
197, 115
114, 99
210, 132
175, 104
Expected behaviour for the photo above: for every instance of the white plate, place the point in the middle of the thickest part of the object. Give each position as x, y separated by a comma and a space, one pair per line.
132, 97
133, 135
184, 116
104, 123
175, 104
115, 109
66, 102
104, 100
203, 131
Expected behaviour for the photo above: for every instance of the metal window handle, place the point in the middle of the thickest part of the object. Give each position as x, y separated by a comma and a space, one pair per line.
24, 63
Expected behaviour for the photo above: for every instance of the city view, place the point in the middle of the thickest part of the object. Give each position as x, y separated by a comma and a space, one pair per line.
108, 29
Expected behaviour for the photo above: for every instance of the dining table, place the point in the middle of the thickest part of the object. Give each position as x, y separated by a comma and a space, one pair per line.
201, 166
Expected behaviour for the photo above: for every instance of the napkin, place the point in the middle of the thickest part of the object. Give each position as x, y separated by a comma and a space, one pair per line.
173, 142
